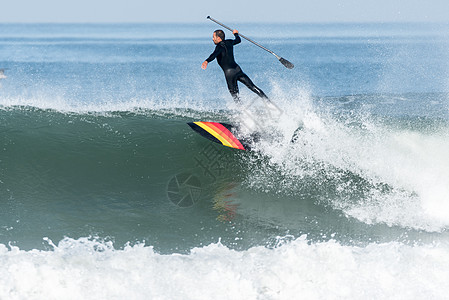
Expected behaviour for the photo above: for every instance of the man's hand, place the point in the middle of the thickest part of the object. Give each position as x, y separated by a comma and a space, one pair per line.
235, 31
204, 65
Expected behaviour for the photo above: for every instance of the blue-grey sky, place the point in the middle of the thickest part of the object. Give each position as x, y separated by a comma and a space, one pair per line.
93, 11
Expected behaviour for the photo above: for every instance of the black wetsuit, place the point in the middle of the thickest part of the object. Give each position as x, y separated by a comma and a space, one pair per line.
224, 53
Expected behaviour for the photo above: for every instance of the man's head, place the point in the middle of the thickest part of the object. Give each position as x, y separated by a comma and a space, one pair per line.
218, 36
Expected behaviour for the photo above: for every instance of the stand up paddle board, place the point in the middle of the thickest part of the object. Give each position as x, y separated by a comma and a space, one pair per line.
220, 133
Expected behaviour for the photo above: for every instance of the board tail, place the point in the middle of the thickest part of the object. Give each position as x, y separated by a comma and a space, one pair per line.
220, 133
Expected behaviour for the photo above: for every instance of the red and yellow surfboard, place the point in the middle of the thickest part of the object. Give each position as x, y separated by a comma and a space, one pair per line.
220, 133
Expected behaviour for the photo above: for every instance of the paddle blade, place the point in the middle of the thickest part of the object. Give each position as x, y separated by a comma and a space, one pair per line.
286, 63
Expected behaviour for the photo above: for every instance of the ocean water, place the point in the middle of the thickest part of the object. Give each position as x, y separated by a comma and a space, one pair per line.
106, 193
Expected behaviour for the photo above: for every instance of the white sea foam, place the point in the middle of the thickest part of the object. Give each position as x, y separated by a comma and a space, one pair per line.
413, 164
88, 269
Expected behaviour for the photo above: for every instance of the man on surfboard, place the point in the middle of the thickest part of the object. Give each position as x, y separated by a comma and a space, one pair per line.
224, 53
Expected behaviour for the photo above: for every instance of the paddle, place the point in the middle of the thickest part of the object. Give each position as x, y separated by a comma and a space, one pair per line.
285, 62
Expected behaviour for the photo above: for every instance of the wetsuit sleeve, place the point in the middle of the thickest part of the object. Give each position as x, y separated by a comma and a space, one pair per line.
214, 54
237, 39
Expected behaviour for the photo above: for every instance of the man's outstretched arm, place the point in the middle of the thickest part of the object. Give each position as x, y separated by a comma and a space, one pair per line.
211, 57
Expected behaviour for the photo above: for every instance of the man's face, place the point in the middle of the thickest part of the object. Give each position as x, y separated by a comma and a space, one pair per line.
216, 39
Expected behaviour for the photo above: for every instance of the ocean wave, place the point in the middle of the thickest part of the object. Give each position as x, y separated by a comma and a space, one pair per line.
378, 173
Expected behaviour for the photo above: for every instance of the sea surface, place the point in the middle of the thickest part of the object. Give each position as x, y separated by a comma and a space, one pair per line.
106, 192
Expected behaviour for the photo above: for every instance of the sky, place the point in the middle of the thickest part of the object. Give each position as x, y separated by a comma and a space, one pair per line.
196, 11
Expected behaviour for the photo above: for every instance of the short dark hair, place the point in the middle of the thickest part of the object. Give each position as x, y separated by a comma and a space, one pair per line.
220, 33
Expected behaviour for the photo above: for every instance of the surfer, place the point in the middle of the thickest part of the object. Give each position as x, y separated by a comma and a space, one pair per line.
224, 54
2, 74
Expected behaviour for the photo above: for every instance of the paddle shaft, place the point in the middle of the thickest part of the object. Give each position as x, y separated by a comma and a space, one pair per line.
248, 39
